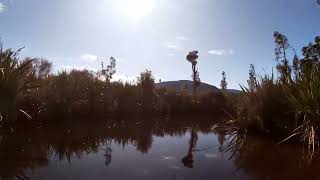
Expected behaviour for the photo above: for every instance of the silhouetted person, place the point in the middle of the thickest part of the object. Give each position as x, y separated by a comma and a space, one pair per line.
188, 159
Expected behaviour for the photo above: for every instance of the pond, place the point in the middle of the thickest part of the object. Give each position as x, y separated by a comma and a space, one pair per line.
155, 149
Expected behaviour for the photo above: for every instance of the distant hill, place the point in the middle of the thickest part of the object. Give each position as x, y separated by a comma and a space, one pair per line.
233, 91
188, 85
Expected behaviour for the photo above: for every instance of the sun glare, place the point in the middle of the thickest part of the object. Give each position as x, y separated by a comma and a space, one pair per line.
136, 9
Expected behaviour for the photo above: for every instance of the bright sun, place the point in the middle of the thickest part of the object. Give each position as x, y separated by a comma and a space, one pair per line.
136, 9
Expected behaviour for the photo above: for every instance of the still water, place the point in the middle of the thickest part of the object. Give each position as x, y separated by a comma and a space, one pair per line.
144, 150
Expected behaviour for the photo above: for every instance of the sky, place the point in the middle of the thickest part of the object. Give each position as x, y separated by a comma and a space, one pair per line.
157, 34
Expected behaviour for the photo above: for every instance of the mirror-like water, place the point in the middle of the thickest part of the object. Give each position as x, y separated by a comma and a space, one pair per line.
143, 150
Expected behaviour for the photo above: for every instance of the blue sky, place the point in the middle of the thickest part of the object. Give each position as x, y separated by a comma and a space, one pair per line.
157, 34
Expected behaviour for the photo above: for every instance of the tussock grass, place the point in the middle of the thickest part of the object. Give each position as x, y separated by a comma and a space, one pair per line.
16, 78
286, 106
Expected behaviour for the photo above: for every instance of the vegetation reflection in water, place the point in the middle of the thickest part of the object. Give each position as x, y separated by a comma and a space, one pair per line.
137, 146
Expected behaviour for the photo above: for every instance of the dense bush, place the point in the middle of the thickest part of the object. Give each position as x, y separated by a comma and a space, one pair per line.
17, 78
287, 105
29, 87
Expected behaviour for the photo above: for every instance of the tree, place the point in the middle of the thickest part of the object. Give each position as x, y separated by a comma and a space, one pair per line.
252, 78
110, 70
41, 68
224, 83
192, 58
108, 74
311, 56
283, 66
296, 67
311, 52
146, 85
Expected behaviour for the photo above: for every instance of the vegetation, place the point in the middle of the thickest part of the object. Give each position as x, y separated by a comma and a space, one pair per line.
252, 78
28, 90
146, 87
192, 58
286, 106
17, 79
223, 83
47, 115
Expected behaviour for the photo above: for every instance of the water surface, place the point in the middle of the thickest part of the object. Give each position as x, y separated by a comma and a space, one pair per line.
154, 149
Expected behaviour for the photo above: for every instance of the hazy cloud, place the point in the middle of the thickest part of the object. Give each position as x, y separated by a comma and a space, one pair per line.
2, 7
120, 59
221, 52
176, 44
172, 45
182, 38
89, 57
124, 78
69, 63
69, 67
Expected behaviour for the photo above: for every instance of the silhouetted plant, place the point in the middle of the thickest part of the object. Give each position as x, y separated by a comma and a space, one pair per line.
16, 78
296, 67
265, 109
252, 82
283, 66
192, 58
42, 68
311, 56
110, 70
146, 84
223, 83
304, 96
288, 107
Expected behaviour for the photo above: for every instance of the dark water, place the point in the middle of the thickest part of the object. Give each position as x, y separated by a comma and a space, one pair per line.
154, 149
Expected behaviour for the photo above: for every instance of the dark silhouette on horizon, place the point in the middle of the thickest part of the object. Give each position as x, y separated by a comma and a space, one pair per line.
192, 58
